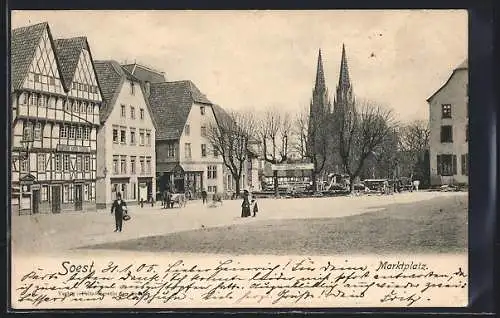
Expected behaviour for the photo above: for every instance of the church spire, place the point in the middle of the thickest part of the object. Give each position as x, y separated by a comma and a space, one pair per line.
344, 79
320, 74
344, 99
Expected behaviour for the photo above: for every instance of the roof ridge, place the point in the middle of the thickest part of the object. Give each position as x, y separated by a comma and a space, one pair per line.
30, 26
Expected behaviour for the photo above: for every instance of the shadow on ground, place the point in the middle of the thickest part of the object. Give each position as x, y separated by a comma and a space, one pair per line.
433, 226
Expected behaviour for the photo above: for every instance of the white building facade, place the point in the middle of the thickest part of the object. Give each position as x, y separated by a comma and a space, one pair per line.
126, 140
449, 130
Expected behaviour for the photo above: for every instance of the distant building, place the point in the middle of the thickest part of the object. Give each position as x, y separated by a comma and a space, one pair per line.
145, 73
449, 129
126, 140
185, 160
55, 109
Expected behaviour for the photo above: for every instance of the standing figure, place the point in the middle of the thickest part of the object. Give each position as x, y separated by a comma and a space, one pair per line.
255, 207
119, 207
245, 206
204, 196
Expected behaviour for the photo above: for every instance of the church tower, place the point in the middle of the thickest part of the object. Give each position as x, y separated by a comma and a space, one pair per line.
344, 99
320, 104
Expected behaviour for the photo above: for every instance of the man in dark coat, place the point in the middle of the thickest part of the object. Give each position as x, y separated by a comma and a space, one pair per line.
119, 207
204, 196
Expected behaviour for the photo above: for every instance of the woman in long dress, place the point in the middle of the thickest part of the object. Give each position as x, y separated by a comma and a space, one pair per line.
245, 206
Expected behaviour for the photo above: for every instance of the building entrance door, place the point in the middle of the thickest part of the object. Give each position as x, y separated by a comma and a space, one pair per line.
56, 199
143, 192
36, 201
78, 197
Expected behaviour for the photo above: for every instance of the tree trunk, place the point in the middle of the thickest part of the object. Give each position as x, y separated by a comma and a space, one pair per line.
314, 181
275, 180
351, 183
238, 189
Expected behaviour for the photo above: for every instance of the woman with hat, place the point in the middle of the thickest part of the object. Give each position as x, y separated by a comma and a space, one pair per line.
245, 206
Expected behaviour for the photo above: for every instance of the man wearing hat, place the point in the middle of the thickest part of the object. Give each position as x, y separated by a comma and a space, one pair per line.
119, 207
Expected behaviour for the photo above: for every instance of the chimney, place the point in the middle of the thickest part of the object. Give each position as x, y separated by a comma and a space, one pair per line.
147, 87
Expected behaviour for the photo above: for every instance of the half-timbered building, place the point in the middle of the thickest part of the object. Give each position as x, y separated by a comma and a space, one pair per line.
55, 115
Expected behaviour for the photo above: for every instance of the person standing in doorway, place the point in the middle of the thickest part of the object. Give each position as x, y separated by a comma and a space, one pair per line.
119, 207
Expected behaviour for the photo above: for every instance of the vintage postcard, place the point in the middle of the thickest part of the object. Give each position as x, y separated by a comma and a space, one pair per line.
239, 159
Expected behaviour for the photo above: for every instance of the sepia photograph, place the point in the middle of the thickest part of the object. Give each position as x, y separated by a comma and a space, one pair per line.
239, 159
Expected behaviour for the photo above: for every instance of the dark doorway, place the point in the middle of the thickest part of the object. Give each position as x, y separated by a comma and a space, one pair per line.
36, 201
78, 197
56, 199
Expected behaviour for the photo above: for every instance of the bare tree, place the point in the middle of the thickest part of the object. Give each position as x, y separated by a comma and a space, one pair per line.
413, 143
274, 131
230, 136
362, 132
311, 141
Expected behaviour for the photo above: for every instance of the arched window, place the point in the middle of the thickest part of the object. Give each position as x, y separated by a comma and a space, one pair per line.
38, 131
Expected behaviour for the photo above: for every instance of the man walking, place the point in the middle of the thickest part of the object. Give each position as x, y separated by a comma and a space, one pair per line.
119, 207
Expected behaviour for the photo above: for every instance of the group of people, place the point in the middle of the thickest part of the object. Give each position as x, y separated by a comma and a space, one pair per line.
249, 205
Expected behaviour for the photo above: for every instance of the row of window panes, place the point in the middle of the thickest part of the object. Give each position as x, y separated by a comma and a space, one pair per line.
212, 189
44, 79
74, 132
203, 130
212, 172
120, 165
41, 100
123, 112
120, 136
447, 164
62, 162
446, 110
447, 133
85, 87
34, 131
67, 195
187, 150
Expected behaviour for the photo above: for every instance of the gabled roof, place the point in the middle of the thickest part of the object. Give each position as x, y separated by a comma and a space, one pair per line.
68, 51
220, 114
463, 66
171, 103
145, 73
23, 44
111, 76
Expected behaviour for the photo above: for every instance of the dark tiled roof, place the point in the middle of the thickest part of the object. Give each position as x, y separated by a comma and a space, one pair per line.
111, 79
171, 103
111, 76
220, 114
24, 42
68, 52
462, 66
144, 73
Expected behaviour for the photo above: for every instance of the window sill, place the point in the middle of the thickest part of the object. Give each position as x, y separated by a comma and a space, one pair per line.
447, 142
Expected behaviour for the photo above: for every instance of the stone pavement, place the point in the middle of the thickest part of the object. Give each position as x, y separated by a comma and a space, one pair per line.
42, 234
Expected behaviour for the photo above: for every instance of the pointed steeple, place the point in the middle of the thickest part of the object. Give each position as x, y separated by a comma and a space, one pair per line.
320, 74
344, 99
344, 79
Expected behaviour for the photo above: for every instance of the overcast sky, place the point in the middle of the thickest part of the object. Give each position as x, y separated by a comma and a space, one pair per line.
262, 59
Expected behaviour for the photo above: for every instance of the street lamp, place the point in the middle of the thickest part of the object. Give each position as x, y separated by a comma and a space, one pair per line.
25, 180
